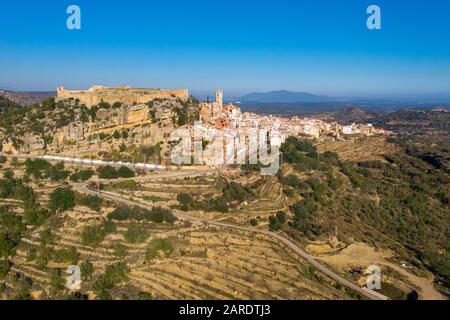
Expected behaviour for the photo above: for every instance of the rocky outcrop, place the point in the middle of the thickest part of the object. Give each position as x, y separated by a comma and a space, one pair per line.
31, 143
8, 147
73, 132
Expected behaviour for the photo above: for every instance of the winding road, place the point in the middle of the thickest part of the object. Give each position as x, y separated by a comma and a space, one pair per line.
83, 188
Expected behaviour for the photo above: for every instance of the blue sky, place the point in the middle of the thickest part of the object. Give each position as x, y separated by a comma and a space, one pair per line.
320, 46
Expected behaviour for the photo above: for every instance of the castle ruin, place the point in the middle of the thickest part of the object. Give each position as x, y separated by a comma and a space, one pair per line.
125, 95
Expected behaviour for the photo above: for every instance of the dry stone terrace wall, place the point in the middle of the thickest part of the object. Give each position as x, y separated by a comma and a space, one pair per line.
125, 95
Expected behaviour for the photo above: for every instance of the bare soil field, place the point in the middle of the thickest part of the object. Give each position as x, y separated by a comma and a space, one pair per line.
359, 149
361, 255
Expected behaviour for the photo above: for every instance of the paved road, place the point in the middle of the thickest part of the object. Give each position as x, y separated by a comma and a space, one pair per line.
99, 163
363, 291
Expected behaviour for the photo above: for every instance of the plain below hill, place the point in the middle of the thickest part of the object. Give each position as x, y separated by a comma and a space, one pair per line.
282, 96
26, 98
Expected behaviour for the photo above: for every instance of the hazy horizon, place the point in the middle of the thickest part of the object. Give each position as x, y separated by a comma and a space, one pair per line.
332, 98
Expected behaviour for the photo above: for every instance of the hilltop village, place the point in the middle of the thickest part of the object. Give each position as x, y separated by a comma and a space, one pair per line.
101, 120
230, 118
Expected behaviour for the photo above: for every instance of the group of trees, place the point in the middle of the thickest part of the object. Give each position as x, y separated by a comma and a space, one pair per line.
42, 169
93, 235
113, 276
11, 187
136, 233
181, 117
37, 216
92, 202
37, 119
236, 192
233, 193
109, 172
301, 154
156, 246
13, 226
46, 253
11, 231
277, 221
124, 134
82, 175
187, 203
187, 113
62, 199
156, 214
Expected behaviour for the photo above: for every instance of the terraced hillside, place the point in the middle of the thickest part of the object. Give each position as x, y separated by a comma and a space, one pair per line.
204, 262
142, 258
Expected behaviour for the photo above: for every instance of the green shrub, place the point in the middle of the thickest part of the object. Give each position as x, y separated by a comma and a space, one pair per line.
37, 168
69, 255
136, 233
4, 268
94, 235
26, 195
87, 269
11, 232
36, 217
126, 184
22, 286
156, 214
82, 175
281, 216
107, 172
46, 237
92, 202
125, 213
57, 172
234, 191
113, 276
57, 283
125, 172
274, 223
219, 205
120, 250
156, 246
144, 296
186, 201
62, 199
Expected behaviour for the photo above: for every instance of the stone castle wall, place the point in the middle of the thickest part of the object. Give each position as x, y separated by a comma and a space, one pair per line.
125, 95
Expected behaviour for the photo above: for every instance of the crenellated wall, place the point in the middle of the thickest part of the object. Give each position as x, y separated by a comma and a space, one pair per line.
125, 95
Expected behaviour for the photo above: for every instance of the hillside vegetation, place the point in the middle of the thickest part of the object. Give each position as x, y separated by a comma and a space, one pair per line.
104, 127
401, 202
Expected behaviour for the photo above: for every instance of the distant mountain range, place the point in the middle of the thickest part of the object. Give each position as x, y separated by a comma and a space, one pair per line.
283, 96
292, 103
